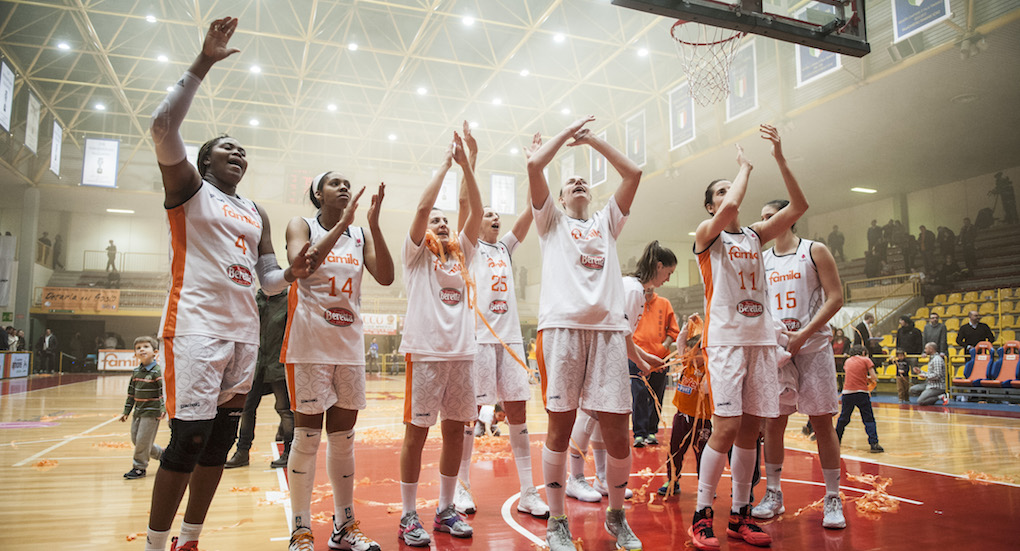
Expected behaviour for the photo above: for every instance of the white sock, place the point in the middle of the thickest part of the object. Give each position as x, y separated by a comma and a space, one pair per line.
773, 471
831, 477
189, 532
408, 497
521, 446
447, 485
554, 470
301, 473
340, 466
712, 465
617, 478
156, 540
599, 454
742, 467
580, 435
465, 459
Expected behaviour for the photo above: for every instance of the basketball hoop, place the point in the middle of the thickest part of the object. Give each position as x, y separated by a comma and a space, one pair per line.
705, 54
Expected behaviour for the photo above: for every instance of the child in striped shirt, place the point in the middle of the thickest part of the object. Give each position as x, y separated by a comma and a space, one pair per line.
145, 396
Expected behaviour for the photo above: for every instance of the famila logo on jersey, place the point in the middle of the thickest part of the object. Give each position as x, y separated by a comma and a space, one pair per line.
346, 259
449, 296
736, 253
340, 317
593, 262
776, 277
792, 324
240, 275
750, 308
499, 307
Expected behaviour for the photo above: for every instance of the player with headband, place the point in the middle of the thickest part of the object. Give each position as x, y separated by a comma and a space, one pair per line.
323, 350
740, 342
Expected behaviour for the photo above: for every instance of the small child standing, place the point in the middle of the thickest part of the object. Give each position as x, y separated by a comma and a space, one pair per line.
902, 375
145, 396
860, 379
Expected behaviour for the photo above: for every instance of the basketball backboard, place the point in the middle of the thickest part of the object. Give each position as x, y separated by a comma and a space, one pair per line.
833, 25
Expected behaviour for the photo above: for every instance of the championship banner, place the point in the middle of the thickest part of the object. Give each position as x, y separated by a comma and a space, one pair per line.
379, 324
32, 124
75, 299
743, 96
15, 364
913, 16
7, 245
6, 95
58, 138
681, 116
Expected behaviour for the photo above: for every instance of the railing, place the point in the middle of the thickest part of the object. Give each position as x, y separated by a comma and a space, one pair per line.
43, 254
126, 261
889, 294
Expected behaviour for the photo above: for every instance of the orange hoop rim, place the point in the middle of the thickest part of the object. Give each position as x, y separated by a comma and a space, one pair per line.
681, 22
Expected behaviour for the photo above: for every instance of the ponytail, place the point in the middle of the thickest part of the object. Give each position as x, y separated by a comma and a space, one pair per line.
648, 263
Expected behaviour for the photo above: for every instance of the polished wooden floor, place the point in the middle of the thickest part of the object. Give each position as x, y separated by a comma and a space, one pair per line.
953, 473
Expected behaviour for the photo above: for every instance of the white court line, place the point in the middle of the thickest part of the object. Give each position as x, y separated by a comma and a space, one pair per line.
64, 441
512, 523
929, 471
281, 478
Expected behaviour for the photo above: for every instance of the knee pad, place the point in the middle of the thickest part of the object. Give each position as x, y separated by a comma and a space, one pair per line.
221, 438
187, 440
306, 440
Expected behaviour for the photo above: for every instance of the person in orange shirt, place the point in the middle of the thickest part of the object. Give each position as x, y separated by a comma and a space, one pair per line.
655, 333
692, 423
860, 379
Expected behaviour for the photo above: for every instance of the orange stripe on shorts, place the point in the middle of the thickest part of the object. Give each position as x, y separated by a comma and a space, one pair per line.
540, 358
408, 387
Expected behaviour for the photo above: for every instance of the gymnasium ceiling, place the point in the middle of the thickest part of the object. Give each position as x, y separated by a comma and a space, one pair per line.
520, 66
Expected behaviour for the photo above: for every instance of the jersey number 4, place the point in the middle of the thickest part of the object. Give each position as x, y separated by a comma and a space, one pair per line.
348, 287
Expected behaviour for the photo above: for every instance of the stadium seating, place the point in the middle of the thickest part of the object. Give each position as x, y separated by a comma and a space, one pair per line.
954, 298
940, 310
989, 294
1004, 370
952, 324
921, 312
953, 311
976, 369
968, 307
939, 299
987, 308
971, 296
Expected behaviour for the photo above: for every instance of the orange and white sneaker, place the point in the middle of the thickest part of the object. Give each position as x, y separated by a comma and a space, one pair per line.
701, 533
743, 526
187, 546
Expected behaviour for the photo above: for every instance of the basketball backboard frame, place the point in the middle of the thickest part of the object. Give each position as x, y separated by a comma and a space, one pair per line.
843, 32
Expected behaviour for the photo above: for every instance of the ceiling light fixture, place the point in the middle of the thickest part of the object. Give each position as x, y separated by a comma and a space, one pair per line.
63, 46
392, 137
643, 52
422, 90
253, 122
525, 72
559, 37
331, 107
255, 69
514, 151
565, 110
473, 124
100, 107
353, 46
468, 20
690, 233
497, 101
162, 58
169, 88
120, 211
150, 18
863, 190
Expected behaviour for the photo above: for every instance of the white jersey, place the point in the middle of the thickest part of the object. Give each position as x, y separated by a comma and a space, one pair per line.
324, 323
214, 244
795, 292
582, 287
438, 326
634, 302
736, 304
497, 301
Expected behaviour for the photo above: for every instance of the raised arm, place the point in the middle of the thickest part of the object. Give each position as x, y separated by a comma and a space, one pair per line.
788, 215
828, 275
472, 153
321, 249
629, 171
473, 222
544, 155
180, 178
524, 219
420, 222
728, 210
378, 259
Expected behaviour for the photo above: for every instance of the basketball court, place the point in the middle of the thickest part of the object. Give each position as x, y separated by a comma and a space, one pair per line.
952, 477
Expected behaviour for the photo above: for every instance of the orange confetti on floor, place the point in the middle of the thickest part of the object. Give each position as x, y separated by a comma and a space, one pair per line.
113, 445
46, 464
243, 489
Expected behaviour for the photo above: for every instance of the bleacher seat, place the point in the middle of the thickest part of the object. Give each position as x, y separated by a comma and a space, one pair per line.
952, 324
919, 324
1004, 370
886, 373
971, 296
951, 336
888, 341
991, 321
921, 312
939, 299
1007, 320
954, 298
1007, 306
976, 369
989, 294
953, 311
940, 310
968, 307
988, 308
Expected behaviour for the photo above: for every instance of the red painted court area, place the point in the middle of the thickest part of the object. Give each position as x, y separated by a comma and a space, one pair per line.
935, 511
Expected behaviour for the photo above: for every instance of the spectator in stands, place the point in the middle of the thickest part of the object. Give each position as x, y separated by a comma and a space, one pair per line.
947, 243
12, 338
45, 239
974, 332
874, 234
840, 344
968, 237
1004, 189
862, 335
58, 253
934, 387
22, 342
111, 257
909, 337
948, 273
872, 265
836, 240
4, 343
902, 375
909, 252
936, 332
926, 245
48, 347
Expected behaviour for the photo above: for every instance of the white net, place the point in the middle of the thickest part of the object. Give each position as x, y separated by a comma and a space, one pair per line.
705, 54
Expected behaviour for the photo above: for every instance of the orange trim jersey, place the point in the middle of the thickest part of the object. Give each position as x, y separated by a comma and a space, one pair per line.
324, 323
497, 299
736, 305
795, 292
214, 241
693, 394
